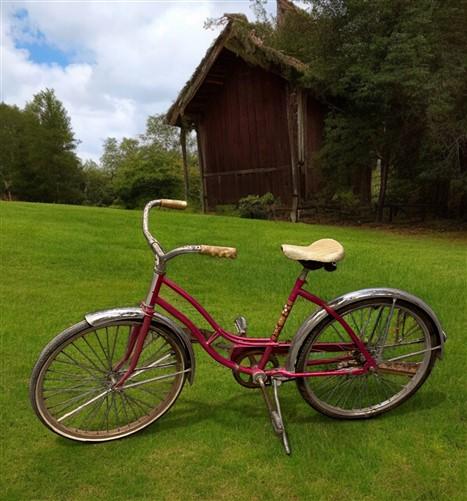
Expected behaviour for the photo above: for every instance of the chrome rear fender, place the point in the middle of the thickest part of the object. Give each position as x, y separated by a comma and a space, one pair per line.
352, 297
131, 313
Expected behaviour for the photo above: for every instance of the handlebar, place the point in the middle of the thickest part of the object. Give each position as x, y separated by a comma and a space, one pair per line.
173, 204
162, 257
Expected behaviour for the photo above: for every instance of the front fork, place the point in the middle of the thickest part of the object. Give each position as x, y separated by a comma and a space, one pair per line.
138, 334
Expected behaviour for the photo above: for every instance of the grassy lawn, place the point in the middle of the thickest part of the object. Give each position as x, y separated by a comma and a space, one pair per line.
59, 262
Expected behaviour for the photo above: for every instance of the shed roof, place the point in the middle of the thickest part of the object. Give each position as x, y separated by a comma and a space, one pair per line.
239, 37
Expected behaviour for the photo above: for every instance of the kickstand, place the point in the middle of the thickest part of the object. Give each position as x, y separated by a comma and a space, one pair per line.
275, 413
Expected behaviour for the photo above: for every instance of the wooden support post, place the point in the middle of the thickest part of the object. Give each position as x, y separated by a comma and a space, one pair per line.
292, 133
203, 193
186, 177
303, 160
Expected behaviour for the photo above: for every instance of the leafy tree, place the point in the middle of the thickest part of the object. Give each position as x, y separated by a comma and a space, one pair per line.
145, 173
13, 164
111, 157
392, 74
54, 166
97, 183
159, 133
150, 166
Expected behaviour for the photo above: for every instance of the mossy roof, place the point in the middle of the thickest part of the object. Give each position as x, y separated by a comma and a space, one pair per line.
239, 37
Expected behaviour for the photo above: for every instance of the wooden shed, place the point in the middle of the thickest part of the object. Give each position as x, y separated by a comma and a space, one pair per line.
257, 129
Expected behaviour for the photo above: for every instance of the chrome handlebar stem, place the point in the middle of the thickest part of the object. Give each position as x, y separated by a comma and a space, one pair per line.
153, 242
161, 256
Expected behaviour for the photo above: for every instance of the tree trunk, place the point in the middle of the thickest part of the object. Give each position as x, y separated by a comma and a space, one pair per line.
185, 162
7, 190
382, 188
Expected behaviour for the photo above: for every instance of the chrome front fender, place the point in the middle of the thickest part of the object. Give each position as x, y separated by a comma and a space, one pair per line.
313, 320
132, 313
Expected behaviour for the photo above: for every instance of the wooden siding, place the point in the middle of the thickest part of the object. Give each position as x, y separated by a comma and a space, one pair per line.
243, 135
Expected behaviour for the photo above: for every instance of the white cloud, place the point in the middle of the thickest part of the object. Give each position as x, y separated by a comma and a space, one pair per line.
129, 59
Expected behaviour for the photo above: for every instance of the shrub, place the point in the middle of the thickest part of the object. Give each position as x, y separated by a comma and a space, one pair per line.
256, 207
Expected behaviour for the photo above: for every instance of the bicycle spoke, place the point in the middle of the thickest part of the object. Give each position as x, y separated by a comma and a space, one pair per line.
89, 402
124, 407
408, 343
93, 412
139, 403
338, 333
356, 327
363, 331
73, 389
157, 378
390, 326
384, 334
114, 403
378, 318
98, 369
107, 343
96, 355
349, 391
77, 393
74, 363
130, 405
343, 390
106, 354
115, 342
72, 399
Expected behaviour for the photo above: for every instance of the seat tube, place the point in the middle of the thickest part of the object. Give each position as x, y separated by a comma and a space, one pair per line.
283, 316
289, 305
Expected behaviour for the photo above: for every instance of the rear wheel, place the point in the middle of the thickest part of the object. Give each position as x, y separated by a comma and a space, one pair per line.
72, 382
399, 336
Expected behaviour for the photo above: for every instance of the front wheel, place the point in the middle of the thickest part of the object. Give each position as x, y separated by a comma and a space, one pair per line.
72, 384
398, 335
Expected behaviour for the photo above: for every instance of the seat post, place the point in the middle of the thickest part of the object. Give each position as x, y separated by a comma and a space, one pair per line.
303, 274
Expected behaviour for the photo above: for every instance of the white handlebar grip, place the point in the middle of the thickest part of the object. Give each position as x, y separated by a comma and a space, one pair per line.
214, 250
173, 204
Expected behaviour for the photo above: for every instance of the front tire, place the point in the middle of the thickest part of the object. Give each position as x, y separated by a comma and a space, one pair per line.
398, 334
71, 383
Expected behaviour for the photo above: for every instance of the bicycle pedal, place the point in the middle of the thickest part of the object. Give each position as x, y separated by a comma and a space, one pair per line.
241, 325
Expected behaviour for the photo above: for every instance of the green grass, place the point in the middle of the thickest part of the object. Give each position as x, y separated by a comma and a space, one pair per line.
59, 262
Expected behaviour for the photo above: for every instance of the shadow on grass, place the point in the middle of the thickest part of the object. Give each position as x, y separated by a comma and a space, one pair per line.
418, 403
249, 407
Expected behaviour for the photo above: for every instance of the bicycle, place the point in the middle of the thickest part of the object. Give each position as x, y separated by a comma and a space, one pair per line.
119, 370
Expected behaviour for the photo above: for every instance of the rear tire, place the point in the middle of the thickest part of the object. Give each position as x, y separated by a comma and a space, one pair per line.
71, 383
390, 330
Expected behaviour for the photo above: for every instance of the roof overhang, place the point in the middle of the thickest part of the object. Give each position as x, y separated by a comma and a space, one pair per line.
239, 37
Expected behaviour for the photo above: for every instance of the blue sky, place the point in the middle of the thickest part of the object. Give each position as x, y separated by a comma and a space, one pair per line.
40, 49
111, 63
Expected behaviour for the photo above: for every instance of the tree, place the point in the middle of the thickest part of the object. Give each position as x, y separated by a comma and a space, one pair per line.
111, 157
159, 133
392, 74
54, 165
146, 172
12, 152
97, 183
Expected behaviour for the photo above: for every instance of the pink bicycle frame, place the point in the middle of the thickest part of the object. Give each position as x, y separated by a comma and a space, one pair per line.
270, 345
